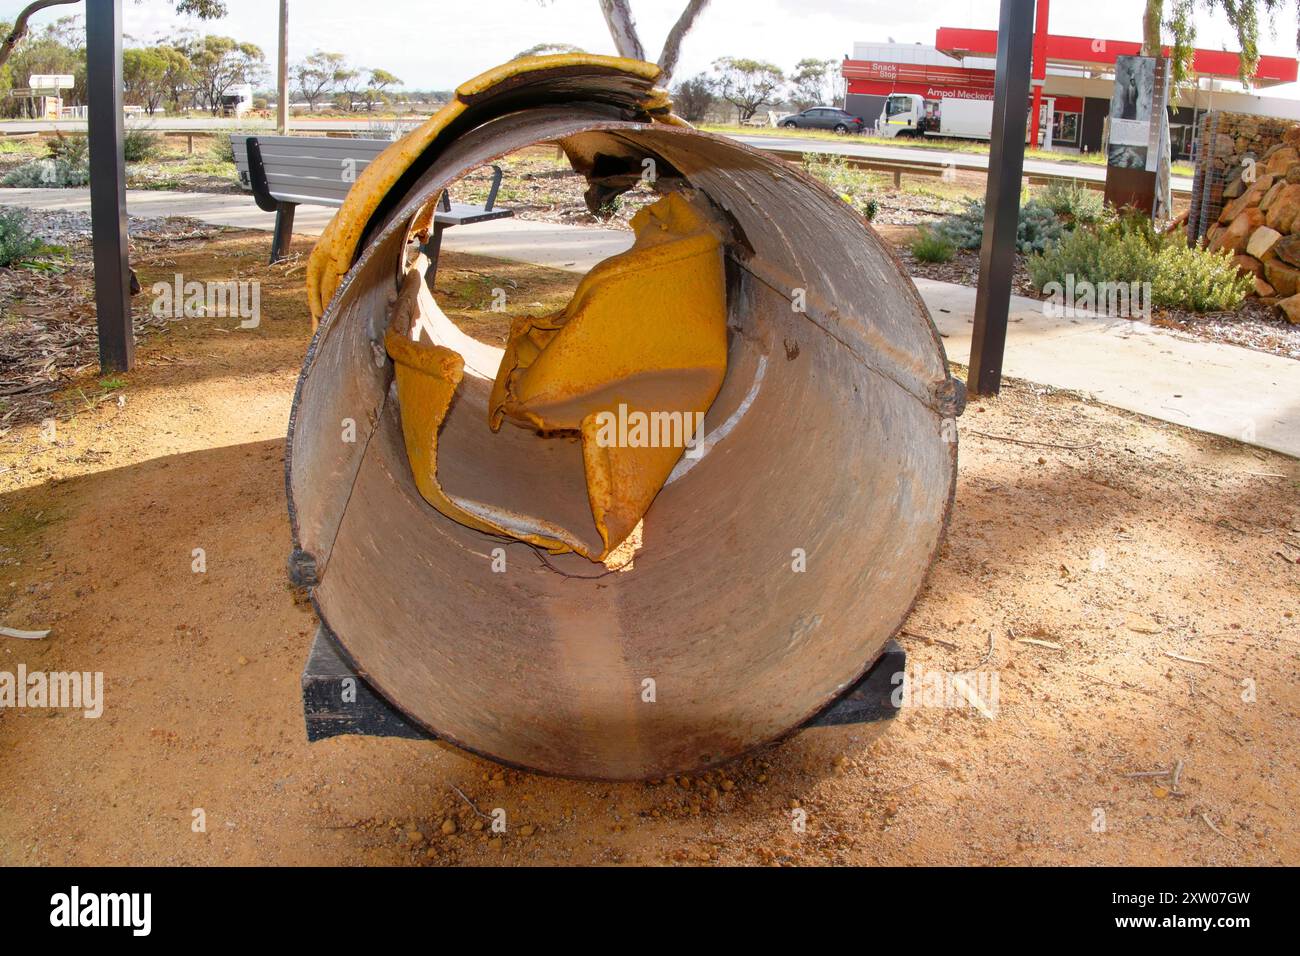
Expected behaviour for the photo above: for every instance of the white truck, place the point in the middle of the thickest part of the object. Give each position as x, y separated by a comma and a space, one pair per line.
238, 100
911, 115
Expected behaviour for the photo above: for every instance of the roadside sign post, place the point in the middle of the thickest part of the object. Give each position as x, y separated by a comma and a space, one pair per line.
1137, 136
1002, 199
282, 73
52, 82
108, 185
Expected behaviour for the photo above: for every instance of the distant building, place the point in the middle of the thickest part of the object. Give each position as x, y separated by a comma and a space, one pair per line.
1079, 78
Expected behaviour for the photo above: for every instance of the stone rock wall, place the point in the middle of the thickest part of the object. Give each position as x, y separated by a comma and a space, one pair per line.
1246, 201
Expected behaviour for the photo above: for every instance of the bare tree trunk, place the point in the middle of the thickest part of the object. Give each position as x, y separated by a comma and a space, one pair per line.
622, 28
20, 25
1151, 21
673, 45
1151, 18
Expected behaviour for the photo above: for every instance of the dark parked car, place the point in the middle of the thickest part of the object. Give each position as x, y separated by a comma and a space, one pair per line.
824, 117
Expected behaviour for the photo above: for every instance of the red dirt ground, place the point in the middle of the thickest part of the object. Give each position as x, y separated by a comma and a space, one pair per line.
1075, 574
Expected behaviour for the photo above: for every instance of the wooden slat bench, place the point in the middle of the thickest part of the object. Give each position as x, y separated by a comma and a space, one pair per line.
284, 172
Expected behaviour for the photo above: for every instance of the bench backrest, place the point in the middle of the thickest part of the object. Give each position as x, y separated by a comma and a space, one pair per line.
308, 169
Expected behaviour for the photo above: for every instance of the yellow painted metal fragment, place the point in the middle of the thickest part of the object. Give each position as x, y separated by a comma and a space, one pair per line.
632, 363
427, 378
335, 251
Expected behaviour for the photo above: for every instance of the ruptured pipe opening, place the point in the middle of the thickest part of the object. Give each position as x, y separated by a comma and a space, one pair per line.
625, 371
461, 544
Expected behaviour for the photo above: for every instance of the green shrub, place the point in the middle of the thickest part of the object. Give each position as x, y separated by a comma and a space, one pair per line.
855, 186
1037, 229
836, 173
70, 148
13, 147
223, 151
1122, 251
964, 229
47, 174
16, 240
928, 246
1194, 278
1074, 202
67, 164
139, 145
1129, 250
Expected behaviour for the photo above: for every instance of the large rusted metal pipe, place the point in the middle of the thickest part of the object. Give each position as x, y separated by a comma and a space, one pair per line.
829, 448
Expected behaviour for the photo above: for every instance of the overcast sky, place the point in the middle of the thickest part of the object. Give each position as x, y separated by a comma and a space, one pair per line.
439, 43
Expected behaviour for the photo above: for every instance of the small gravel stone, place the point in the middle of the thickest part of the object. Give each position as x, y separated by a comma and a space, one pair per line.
64, 227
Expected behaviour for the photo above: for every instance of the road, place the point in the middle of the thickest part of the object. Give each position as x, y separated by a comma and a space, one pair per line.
846, 147
912, 154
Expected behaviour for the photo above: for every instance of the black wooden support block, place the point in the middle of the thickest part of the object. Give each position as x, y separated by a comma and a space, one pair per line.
337, 701
871, 698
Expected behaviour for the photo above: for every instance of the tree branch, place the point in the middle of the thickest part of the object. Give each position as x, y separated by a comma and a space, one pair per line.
20, 26
622, 28
673, 44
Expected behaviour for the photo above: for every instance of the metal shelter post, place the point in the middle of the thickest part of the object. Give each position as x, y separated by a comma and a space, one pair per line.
1002, 199
108, 185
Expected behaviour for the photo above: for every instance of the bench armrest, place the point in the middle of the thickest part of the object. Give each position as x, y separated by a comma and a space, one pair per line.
444, 201
496, 184
257, 177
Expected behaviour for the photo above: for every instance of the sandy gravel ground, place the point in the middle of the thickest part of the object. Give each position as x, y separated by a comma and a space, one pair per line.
1131, 584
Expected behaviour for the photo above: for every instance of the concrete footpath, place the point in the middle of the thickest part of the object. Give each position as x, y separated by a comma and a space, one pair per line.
1225, 390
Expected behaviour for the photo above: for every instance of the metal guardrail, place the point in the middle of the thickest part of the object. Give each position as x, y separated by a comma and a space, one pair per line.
938, 169
919, 166
874, 164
